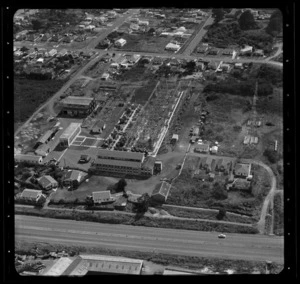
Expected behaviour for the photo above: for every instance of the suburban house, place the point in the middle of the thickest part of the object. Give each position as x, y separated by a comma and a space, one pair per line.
246, 50
120, 42
102, 197
71, 176
202, 148
32, 195
104, 76
43, 150
258, 52
98, 127
213, 51
172, 46
47, 182
242, 170
160, 192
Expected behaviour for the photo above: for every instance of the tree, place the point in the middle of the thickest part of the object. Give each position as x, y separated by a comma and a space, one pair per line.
275, 24
36, 24
271, 155
143, 202
151, 31
218, 14
121, 184
221, 214
246, 21
219, 192
89, 201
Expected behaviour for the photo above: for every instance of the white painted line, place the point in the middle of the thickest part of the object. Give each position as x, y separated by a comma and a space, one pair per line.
62, 155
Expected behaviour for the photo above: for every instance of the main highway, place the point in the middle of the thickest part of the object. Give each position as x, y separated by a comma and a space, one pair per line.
148, 239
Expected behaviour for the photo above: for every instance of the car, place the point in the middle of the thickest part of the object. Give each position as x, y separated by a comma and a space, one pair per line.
222, 236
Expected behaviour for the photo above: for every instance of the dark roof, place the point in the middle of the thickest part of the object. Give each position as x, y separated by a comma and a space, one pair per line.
120, 154
45, 137
202, 147
119, 163
46, 180
73, 175
242, 168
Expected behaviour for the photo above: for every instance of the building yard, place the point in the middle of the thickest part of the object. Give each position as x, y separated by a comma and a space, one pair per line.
200, 190
94, 183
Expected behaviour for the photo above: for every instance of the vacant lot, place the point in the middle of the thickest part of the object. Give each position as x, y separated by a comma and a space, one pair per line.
145, 43
30, 94
142, 94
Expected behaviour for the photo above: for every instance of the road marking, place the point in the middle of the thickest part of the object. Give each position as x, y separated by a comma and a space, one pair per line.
62, 155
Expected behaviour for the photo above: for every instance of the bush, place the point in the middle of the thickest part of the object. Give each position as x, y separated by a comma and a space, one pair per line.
219, 192
221, 214
237, 128
272, 156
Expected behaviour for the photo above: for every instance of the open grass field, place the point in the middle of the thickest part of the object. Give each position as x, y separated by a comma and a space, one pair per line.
30, 94
143, 93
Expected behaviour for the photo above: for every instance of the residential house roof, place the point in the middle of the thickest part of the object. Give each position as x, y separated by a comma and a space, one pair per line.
202, 147
242, 169
102, 195
162, 189
30, 193
46, 180
73, 175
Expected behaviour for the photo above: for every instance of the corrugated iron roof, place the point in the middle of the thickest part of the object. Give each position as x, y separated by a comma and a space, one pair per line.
30, 193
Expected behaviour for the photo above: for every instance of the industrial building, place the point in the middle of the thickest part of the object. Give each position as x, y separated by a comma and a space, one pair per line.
124, 163
94, 265
69, 134
78, 106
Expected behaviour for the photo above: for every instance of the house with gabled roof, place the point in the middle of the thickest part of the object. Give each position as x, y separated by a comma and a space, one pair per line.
161, 192
102, 197
47, 182
32, 194
242, 170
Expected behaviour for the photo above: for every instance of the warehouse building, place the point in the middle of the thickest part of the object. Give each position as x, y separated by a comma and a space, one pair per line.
124, 163
94, 265
69, 134
31, 159
78, 106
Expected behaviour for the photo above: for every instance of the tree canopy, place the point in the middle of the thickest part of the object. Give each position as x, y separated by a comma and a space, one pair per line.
218, 14
275, 24
246, 21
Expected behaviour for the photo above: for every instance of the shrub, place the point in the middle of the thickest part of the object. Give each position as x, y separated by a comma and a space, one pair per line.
221, 214
272, 156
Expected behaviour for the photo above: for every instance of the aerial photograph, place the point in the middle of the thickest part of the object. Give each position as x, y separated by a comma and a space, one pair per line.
148, 141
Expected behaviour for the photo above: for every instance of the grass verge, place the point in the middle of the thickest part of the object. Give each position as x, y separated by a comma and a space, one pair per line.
136, 220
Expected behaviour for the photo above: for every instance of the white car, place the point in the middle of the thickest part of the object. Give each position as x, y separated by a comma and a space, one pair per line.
222, 236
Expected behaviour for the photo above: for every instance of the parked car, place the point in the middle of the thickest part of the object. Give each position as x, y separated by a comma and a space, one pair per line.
222, 236
84, 159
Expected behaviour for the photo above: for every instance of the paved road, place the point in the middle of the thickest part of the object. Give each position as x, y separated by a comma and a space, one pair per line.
179, 242
198, 37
